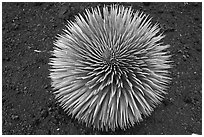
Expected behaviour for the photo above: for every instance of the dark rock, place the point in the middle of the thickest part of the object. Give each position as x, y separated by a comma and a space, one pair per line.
41, 132
198, 49
167, 102
146, 3
36, 122
44, 113
62, 11
6, 59
190, 100
38, 4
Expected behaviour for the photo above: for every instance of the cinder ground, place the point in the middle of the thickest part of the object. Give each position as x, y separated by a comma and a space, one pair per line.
28, 106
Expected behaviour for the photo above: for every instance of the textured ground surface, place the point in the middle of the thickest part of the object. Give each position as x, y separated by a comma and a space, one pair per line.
28, 107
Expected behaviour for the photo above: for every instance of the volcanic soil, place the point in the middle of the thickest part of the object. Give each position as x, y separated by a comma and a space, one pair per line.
28, 105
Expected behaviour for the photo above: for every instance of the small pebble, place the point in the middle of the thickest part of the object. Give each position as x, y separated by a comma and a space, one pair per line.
14, 117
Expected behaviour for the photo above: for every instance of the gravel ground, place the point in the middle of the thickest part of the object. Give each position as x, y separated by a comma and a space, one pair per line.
28, 105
